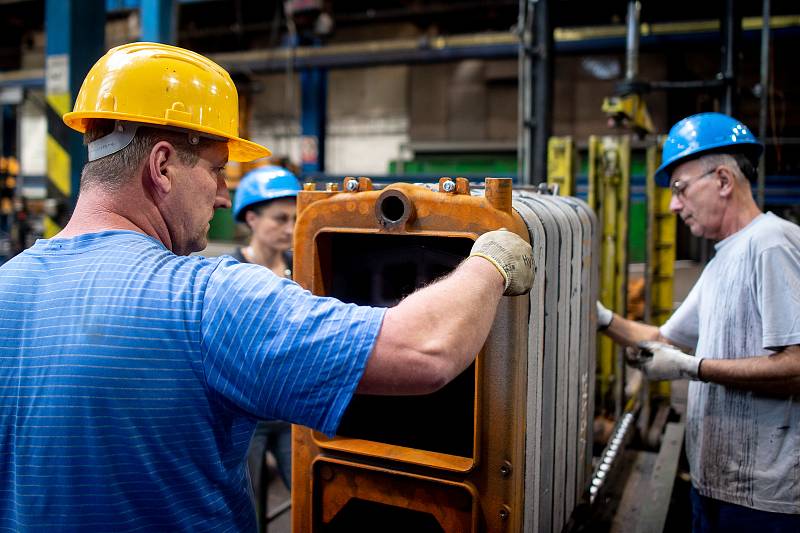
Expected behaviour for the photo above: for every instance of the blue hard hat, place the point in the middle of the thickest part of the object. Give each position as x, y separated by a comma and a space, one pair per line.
705, 132
262, 184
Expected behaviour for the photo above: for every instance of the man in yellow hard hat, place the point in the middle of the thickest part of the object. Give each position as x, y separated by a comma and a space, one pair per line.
133, 374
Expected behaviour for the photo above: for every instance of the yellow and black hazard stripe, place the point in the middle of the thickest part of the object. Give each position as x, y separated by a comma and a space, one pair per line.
59, 164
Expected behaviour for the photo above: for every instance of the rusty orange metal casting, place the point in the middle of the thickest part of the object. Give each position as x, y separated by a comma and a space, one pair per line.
475, 482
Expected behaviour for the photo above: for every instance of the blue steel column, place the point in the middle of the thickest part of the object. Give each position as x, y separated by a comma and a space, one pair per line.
159, 21
314, 93
75, 40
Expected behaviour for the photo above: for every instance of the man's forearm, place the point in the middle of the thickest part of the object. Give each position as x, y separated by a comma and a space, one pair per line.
630, 333
457, 311
774, 375
436, 332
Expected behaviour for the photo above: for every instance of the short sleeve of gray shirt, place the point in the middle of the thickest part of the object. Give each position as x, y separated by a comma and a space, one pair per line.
682, 327
778, 293
772, 247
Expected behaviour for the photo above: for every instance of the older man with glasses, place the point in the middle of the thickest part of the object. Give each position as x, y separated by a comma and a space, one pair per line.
742, 319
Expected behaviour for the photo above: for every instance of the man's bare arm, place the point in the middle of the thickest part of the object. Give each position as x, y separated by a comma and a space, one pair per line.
776, 374
630, 333
435, 333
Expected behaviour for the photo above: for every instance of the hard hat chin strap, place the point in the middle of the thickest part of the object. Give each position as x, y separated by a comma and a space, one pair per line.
125, 131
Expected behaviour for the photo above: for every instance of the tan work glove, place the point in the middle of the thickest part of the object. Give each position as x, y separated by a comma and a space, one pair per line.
511, 255
661, 361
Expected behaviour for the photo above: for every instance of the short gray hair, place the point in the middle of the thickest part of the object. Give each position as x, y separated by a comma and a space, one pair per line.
743, 168
112, 171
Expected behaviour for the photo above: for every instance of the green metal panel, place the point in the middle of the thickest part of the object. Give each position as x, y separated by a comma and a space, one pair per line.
637, 232
221, 226
637, 226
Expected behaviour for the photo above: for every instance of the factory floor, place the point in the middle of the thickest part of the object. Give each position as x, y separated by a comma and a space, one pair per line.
277, 496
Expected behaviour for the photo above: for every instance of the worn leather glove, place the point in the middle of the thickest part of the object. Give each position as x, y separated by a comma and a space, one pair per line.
511, 255
604, 316
661, 361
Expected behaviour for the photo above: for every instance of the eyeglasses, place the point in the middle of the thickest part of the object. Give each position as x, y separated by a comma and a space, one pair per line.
678, 187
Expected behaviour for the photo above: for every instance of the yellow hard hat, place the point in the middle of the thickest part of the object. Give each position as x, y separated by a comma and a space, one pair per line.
158, 84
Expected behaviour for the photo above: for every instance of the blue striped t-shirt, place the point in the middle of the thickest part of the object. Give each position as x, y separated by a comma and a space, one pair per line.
131, 380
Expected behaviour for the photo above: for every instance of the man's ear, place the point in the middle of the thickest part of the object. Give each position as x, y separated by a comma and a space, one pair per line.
159, 166
726, 180
250, 218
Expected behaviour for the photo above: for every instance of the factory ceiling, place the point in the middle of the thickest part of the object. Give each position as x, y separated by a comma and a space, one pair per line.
214, 26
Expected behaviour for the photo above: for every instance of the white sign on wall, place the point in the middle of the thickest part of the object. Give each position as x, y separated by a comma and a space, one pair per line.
32, 135
56, 78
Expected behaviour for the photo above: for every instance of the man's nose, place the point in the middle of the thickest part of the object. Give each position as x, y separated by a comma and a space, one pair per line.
223, 199
675, 204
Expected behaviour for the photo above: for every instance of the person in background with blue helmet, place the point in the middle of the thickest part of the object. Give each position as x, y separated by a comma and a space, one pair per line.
265, 200
742, 319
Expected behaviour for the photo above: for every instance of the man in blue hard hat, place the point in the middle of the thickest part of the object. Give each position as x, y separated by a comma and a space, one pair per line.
742, 319
266, 201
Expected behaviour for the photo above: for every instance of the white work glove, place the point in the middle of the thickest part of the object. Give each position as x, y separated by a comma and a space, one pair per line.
604, 316
511, 255
661, 361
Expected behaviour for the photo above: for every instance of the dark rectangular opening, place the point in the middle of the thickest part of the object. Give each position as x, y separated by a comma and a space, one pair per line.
386, 518
380, 270
354, 499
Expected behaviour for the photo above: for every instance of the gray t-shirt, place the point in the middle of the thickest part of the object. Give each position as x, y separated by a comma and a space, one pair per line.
744, 448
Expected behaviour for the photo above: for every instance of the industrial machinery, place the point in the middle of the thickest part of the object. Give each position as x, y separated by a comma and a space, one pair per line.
506, 446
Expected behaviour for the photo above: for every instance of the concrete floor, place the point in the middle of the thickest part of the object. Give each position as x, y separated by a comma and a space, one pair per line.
276, 496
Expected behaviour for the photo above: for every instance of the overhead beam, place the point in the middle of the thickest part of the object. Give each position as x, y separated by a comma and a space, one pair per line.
485, 45
489, 45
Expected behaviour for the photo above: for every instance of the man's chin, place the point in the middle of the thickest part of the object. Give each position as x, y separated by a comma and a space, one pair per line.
279, 247
197, 245
699, 231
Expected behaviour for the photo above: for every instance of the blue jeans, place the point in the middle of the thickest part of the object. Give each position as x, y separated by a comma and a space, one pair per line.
711, 516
